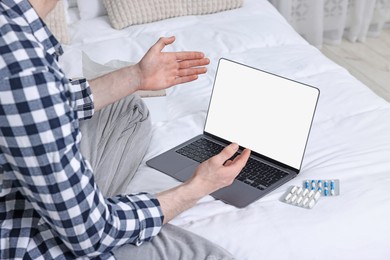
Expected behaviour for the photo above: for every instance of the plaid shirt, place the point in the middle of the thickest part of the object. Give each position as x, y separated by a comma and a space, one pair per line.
50, 206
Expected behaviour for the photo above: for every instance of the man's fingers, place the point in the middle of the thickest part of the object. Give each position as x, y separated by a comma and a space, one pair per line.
241, 159
185, 79
226, 153
189, 55
228, 162
188, 75
193, 71
184, 64
163, 41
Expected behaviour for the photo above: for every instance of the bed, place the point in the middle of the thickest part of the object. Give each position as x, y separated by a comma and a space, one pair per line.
349, 140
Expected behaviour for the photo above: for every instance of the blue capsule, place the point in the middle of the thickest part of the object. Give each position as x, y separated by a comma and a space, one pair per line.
326, 184
313, 184
319, 184
332, 187
326, 191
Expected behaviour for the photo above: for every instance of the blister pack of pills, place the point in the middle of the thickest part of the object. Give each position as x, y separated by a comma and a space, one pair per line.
327, 188
301, 197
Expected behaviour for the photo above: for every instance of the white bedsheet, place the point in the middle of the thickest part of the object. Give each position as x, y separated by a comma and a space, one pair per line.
349, 141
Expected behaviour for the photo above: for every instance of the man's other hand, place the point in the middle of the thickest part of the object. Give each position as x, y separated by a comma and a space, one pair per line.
160, 70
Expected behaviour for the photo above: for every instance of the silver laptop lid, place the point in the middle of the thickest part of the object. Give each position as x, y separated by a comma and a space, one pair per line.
266, 113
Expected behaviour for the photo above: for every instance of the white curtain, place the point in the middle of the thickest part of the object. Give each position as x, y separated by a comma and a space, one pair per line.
327, 21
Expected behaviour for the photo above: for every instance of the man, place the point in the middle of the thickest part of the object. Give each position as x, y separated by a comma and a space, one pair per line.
50, 204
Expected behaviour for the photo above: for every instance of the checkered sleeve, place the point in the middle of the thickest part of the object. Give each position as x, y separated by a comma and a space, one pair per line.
83, 98
42, 148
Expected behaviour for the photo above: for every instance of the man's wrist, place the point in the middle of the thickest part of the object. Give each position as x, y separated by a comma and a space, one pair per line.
198, 188
135, 74
131, 77
181, 198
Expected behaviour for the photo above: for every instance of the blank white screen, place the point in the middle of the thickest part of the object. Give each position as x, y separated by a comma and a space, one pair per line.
260, 111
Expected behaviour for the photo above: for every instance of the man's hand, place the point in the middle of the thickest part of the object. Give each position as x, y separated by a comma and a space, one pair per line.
157, 70
160, 70
219, 171
211, 175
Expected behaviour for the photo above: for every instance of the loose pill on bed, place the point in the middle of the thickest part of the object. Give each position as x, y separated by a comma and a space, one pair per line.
305, 192
307, 185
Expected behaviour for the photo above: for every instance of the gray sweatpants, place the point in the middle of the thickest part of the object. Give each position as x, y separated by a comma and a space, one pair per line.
114, 141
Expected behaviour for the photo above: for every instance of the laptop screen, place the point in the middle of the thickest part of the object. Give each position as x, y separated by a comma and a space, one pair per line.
266, 113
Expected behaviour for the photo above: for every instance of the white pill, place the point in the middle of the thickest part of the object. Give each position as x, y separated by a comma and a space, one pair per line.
299, 200
294, 189
311, 193
294, 198
312, 203
317, 195
299, 191
305, 201
288, 197
305, 192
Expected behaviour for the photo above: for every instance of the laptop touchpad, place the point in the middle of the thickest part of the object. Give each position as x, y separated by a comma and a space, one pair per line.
170, 163
187, 172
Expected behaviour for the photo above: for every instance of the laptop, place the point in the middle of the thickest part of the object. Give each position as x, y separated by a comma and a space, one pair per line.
269, 114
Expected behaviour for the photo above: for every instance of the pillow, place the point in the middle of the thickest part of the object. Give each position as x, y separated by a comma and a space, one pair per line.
91, 9
56, 22
123, 13
197, 7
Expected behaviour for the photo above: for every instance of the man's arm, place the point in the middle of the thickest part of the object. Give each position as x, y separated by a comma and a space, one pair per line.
40, 141
210, 176
157, 70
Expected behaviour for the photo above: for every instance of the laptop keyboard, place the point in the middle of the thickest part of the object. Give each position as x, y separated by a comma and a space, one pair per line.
200, 150
255, 173
260, 175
